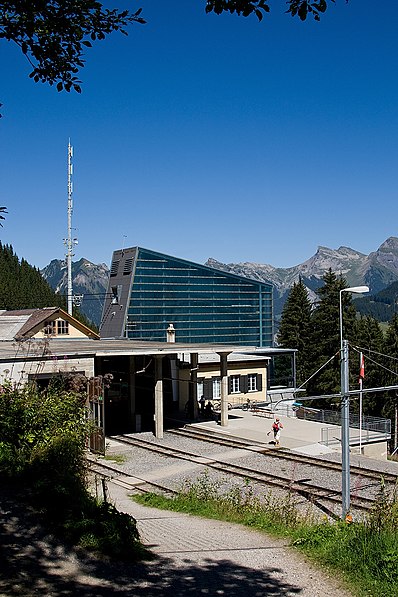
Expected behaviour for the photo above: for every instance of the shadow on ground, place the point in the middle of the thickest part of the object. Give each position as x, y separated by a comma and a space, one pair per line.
33, 563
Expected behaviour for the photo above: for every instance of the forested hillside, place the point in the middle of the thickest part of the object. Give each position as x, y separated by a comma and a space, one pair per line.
23, 287
382, 305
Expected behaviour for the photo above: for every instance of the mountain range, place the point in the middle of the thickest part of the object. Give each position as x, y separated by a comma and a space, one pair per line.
378, 270
90, 281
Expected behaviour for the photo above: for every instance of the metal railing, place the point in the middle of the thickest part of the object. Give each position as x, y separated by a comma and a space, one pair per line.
373, 428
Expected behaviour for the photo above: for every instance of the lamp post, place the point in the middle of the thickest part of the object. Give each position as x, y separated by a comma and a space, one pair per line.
345, 406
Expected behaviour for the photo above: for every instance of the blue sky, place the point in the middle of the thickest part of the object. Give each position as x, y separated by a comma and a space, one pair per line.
205, 136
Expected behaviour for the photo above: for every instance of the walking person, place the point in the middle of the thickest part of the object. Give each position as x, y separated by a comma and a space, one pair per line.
276, 430
202, 402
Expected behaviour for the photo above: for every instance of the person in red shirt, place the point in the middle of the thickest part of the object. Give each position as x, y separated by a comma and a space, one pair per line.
276, 430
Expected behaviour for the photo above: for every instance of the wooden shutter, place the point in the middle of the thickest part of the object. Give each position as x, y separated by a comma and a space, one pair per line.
243, 384
259, 382
208, 389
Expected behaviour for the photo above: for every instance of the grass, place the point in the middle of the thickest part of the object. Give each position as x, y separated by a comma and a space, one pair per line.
118, 458
364, 554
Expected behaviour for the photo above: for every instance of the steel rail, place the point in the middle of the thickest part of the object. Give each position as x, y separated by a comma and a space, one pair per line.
210, 437
310, 491
118, 473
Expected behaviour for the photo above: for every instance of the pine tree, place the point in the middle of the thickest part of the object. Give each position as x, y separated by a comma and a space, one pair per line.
294, 329
23, 287
325, 334
390, 402
369, 340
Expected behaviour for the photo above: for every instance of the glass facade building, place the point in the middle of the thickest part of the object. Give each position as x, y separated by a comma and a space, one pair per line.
148, 291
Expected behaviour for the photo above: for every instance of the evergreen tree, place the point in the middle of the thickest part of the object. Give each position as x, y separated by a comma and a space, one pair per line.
370, 341
294, 329
3, 210
391, 376
23, 287
325, 334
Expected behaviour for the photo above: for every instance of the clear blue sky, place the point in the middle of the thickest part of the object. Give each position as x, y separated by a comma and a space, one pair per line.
200, 136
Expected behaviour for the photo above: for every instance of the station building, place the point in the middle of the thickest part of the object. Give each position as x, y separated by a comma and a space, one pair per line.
148, 290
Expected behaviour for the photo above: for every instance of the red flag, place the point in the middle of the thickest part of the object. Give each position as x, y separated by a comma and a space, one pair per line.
362, 368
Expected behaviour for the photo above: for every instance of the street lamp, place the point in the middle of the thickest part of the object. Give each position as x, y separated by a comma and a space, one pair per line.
345, 406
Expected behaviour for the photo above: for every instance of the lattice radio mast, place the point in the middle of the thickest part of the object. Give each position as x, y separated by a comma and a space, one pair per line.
69, 242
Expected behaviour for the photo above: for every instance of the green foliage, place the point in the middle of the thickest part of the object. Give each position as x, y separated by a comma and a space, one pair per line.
325, 338
43, 435
53, 35
381, 305
369, 340
237, 503
102, 528
294, 329
3, 210
240, 7
390, 377
301, 8
43, 444
22, 285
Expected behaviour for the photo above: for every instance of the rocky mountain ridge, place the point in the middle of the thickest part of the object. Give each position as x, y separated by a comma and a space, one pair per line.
89, 280
377, 270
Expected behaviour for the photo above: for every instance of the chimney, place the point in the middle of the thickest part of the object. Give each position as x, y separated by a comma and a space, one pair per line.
171, 333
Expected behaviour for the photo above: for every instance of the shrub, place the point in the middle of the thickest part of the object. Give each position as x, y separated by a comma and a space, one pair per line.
43, 442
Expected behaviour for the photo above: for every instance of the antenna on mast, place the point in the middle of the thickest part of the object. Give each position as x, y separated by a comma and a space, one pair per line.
69, 242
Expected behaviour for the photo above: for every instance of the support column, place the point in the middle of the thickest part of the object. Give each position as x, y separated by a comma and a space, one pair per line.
131, 407
194, 384
158, 417
224, 388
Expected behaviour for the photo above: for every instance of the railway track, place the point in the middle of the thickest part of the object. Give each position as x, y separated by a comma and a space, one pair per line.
234, 442
318, 495
130, 482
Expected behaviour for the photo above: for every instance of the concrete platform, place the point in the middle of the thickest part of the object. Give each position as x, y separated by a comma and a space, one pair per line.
296, 435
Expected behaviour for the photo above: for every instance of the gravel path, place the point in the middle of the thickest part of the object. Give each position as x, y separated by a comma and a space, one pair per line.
207, 557
192, 556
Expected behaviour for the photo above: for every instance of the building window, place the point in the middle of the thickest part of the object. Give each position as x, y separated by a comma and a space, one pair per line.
234, 384
252, 382
200, 388
216, 387
62, 327
49, 328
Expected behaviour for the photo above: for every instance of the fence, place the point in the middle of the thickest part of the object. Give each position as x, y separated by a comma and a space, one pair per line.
373, 428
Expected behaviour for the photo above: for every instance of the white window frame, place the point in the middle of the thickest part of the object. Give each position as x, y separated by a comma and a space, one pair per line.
62, 327
252, 382
235, 384
199, 388
216, 388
